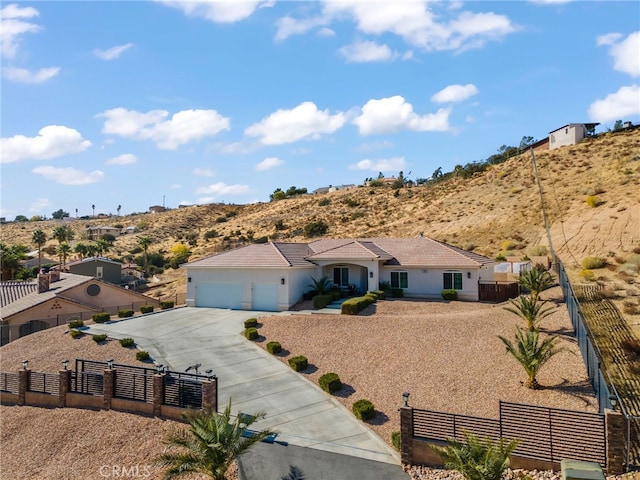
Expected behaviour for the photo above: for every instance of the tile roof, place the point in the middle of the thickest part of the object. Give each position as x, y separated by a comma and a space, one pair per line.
258, 255
14, 290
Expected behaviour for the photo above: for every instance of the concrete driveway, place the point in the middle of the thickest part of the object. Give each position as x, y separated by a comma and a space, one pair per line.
301, 413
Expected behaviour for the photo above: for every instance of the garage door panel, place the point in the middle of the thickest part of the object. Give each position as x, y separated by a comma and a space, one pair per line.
265, 297
219, 295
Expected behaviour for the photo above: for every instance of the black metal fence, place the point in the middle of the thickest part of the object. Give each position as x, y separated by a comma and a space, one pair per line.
9, 382
44, 383
88, 377
182, 390
134, 383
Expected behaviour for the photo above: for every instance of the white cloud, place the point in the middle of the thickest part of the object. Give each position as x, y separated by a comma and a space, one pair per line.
550, 2
219, 11
12, 27
303, 121
625, 53
39, 204
183, 127
365, 51
391, 114
236, 147
326, 32
124, 159
204, 172
371, 147
22, 75
113, 52
221, 188
288, 26
381, 165
454, 93
622, 104
268, 164
52, 141
69, 175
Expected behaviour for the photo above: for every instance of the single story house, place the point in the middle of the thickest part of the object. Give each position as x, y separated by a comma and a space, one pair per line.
274, 276
157, 209
570, 134
98, 267
95, 233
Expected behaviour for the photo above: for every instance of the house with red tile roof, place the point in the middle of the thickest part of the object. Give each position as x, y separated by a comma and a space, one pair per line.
274, 276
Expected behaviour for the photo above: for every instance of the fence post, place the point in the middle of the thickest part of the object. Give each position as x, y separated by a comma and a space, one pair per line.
406, 435
63, 387
109, 378
23, 384
615, 438
158, 393
209, 395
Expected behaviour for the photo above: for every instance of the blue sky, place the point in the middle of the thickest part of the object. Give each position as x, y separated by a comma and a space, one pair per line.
139, 103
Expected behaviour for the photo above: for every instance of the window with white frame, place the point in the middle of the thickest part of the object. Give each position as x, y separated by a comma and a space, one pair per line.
453, 280
399, 280
99, 271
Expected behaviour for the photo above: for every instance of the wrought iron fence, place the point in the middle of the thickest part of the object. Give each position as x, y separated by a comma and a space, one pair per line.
134, 383
9, 382
44, 383
182, 390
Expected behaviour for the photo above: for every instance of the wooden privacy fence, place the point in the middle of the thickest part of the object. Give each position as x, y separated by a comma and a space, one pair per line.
498, 291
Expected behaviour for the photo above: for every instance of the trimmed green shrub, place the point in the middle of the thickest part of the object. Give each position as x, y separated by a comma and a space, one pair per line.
379, 293
330, 382
101, 317
321, 301
127, 342
76, 324
146, 308
99, 338
76, 333
125, 313
251, 333
335, 295
397, 293
395, 439
142, 356
274, 347
354, 305
251, 323
166, 305
298, 363
589, 263
363, 409
450, 294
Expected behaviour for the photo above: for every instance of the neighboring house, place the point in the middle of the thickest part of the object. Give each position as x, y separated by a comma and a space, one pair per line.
570, 134
274, 276
333, 188
95, 233
540, 145
33, 262
129, 229
98, 267
31, 306
157, 209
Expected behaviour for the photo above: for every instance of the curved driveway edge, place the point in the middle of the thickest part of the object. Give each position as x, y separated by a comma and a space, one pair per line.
297, 409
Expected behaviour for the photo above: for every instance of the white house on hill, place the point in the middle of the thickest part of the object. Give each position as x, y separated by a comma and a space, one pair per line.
570, 134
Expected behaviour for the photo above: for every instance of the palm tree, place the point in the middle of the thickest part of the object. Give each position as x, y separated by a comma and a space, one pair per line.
536, 280
119, 208
321, 286
11, 258
102, 246
530, 353
92, 250
530, 310
144, 242
93, 208
211, 444
64, 249
63, 233
39, 238
81, 249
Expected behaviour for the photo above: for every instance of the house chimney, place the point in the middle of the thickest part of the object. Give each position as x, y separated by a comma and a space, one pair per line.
55, 275
43, 283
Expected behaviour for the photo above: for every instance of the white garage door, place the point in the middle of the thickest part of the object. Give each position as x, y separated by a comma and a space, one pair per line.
265, 297
219, 295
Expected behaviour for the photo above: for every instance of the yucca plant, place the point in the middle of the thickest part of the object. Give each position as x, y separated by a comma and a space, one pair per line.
529, 309
475, 458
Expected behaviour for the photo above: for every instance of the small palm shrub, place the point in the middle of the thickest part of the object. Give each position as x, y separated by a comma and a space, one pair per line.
146, 309
363, 409
125, 313
330, 382
127, 342
593, 201
591, 263
76, 333
251, 333
76, 324
274, 347
101, 317
251, 323
395, 439
99, 338
142, 356
299, 363
166, 305
450, 294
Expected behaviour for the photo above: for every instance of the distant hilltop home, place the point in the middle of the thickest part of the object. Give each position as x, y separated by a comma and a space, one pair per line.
157, 209
333, 188
274, 276
95, 233
570, 134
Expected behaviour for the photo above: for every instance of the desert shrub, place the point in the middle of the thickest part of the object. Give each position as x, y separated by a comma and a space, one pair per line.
76, 324
590, 263
99, 338
324, 202
316, 229
500, 258
166, 305
321, 301
395, 439
354, 305
593, 201
142, 356
251, 323
274, 347
209, 234
125, 313
634, 259
538, 251
588, 275
397, 293
508, 245
450, 294
127, 342
76, 333
630, 309
298, 363
146, 309
631, 345
101, 317
251, 333
363, 409
330, 382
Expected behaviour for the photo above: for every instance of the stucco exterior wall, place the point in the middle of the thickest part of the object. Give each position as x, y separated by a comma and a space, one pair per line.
569, 135
429, 282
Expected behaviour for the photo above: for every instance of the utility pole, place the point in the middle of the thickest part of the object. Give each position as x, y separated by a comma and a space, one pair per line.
554, 260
